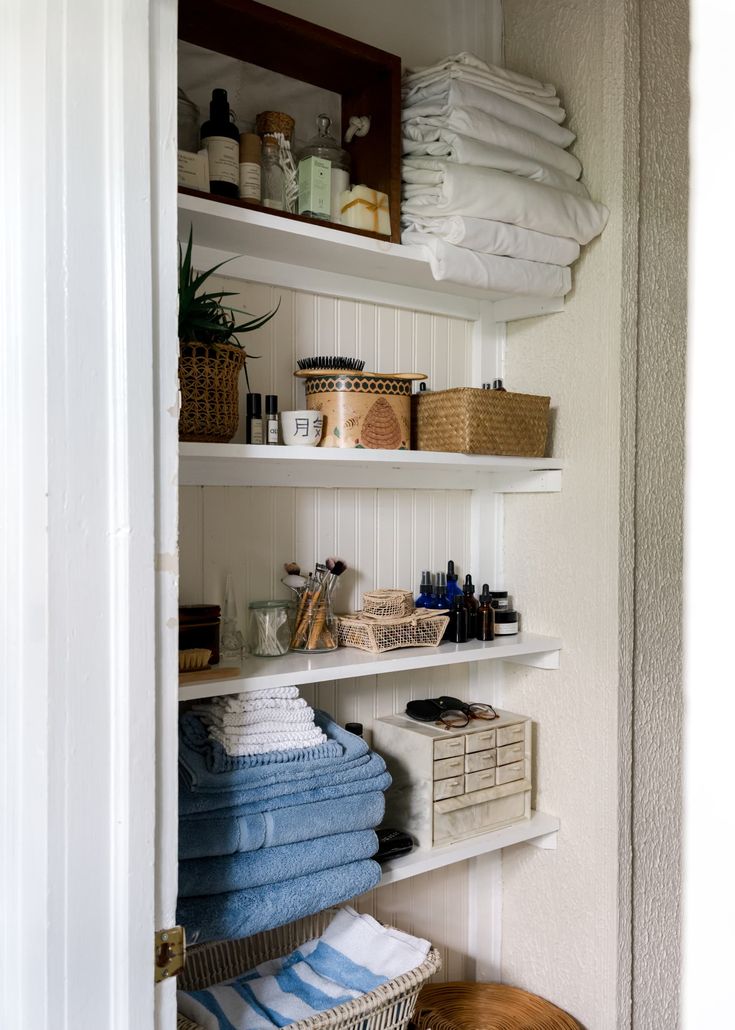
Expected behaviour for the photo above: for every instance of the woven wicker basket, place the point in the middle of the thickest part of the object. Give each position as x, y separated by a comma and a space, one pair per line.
388, 603
388, 1007
208, 379
478, 1006
374, 633
469, 421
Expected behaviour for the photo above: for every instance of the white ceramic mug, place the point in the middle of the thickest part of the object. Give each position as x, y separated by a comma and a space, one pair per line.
301, 428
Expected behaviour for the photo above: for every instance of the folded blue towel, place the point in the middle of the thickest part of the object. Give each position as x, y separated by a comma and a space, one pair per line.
242, 913
202, 806
273, 865
196, 753
370, 777
225, 834
194, 736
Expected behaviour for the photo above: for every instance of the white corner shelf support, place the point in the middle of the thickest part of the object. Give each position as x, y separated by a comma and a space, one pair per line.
423, 860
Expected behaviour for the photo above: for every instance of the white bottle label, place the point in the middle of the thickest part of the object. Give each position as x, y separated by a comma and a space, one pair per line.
224, 159
256, 430
272, 427
250, 181
505, 629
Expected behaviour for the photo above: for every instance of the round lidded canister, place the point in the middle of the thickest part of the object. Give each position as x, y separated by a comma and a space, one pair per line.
362, 409
499, 599
199, 627
505, 622
270, 627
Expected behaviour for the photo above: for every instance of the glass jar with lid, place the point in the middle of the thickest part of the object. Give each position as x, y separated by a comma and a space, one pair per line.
270, 628
326, 147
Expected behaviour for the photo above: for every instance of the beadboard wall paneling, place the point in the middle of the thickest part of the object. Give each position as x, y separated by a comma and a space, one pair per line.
386, 536
388, 339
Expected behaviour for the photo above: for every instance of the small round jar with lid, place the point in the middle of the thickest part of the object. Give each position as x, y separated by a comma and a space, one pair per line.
325, 147
270, 628
505, 622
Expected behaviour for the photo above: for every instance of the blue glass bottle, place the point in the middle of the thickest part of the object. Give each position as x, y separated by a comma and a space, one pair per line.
453, 589
426, 594
440, 591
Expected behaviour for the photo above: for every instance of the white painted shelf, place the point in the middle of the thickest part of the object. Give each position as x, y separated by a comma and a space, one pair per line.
540, 829
294, 669
225, 464
266, 242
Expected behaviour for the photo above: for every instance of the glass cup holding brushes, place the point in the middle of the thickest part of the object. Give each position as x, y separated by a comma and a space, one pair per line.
315, 627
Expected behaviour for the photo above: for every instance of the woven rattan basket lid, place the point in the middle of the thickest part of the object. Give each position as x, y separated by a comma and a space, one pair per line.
478, 1006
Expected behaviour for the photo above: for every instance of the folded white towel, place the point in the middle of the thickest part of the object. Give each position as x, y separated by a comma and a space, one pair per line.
465, 94
259, 744
478, 125
280, 716
437, 85
489, 271
485, 155
486, 193
492, 72
241, 702
489, 237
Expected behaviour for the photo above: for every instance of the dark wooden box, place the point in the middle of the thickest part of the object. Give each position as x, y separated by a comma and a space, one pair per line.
367, 79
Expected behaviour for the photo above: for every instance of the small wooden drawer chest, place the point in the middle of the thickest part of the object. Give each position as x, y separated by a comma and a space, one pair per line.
449, 784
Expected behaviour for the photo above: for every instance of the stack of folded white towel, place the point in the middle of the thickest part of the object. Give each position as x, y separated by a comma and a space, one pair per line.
261, 721
488, 185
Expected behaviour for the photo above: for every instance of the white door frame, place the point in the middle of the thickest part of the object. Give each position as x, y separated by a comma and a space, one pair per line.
88, 517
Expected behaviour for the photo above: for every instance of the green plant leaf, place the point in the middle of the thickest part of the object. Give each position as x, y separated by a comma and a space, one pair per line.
203, 317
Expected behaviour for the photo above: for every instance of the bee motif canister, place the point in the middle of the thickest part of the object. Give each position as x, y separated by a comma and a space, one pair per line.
362, 409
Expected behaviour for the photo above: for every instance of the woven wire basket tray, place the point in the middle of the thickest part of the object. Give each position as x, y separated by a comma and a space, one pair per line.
373, 633
388, 1007
388, 603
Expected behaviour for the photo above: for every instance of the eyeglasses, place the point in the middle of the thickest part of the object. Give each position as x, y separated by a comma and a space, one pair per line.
449, 712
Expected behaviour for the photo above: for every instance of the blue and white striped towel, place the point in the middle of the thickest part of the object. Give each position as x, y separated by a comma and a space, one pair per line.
355, 954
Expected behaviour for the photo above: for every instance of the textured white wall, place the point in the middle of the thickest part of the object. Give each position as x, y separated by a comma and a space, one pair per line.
659, 470
563, 551
603, 560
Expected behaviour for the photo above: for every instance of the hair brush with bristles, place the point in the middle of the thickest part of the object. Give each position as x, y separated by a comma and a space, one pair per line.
333, 363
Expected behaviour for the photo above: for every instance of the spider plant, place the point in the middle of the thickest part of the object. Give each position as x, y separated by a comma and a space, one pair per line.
203, 318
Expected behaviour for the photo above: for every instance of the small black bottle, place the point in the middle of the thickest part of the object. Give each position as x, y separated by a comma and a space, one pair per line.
222, 141
471, 604
456, 632
485, 615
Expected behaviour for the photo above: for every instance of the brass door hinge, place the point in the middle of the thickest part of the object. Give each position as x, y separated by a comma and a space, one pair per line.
170, 952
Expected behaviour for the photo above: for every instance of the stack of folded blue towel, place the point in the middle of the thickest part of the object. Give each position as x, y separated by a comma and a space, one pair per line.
265, 839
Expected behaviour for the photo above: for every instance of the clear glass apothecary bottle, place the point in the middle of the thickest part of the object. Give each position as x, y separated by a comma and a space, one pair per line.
324, 145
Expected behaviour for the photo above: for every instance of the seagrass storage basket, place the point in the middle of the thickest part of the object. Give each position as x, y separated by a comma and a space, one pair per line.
388, 1007
208, 380
470, 421
424, 628
469, 1006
